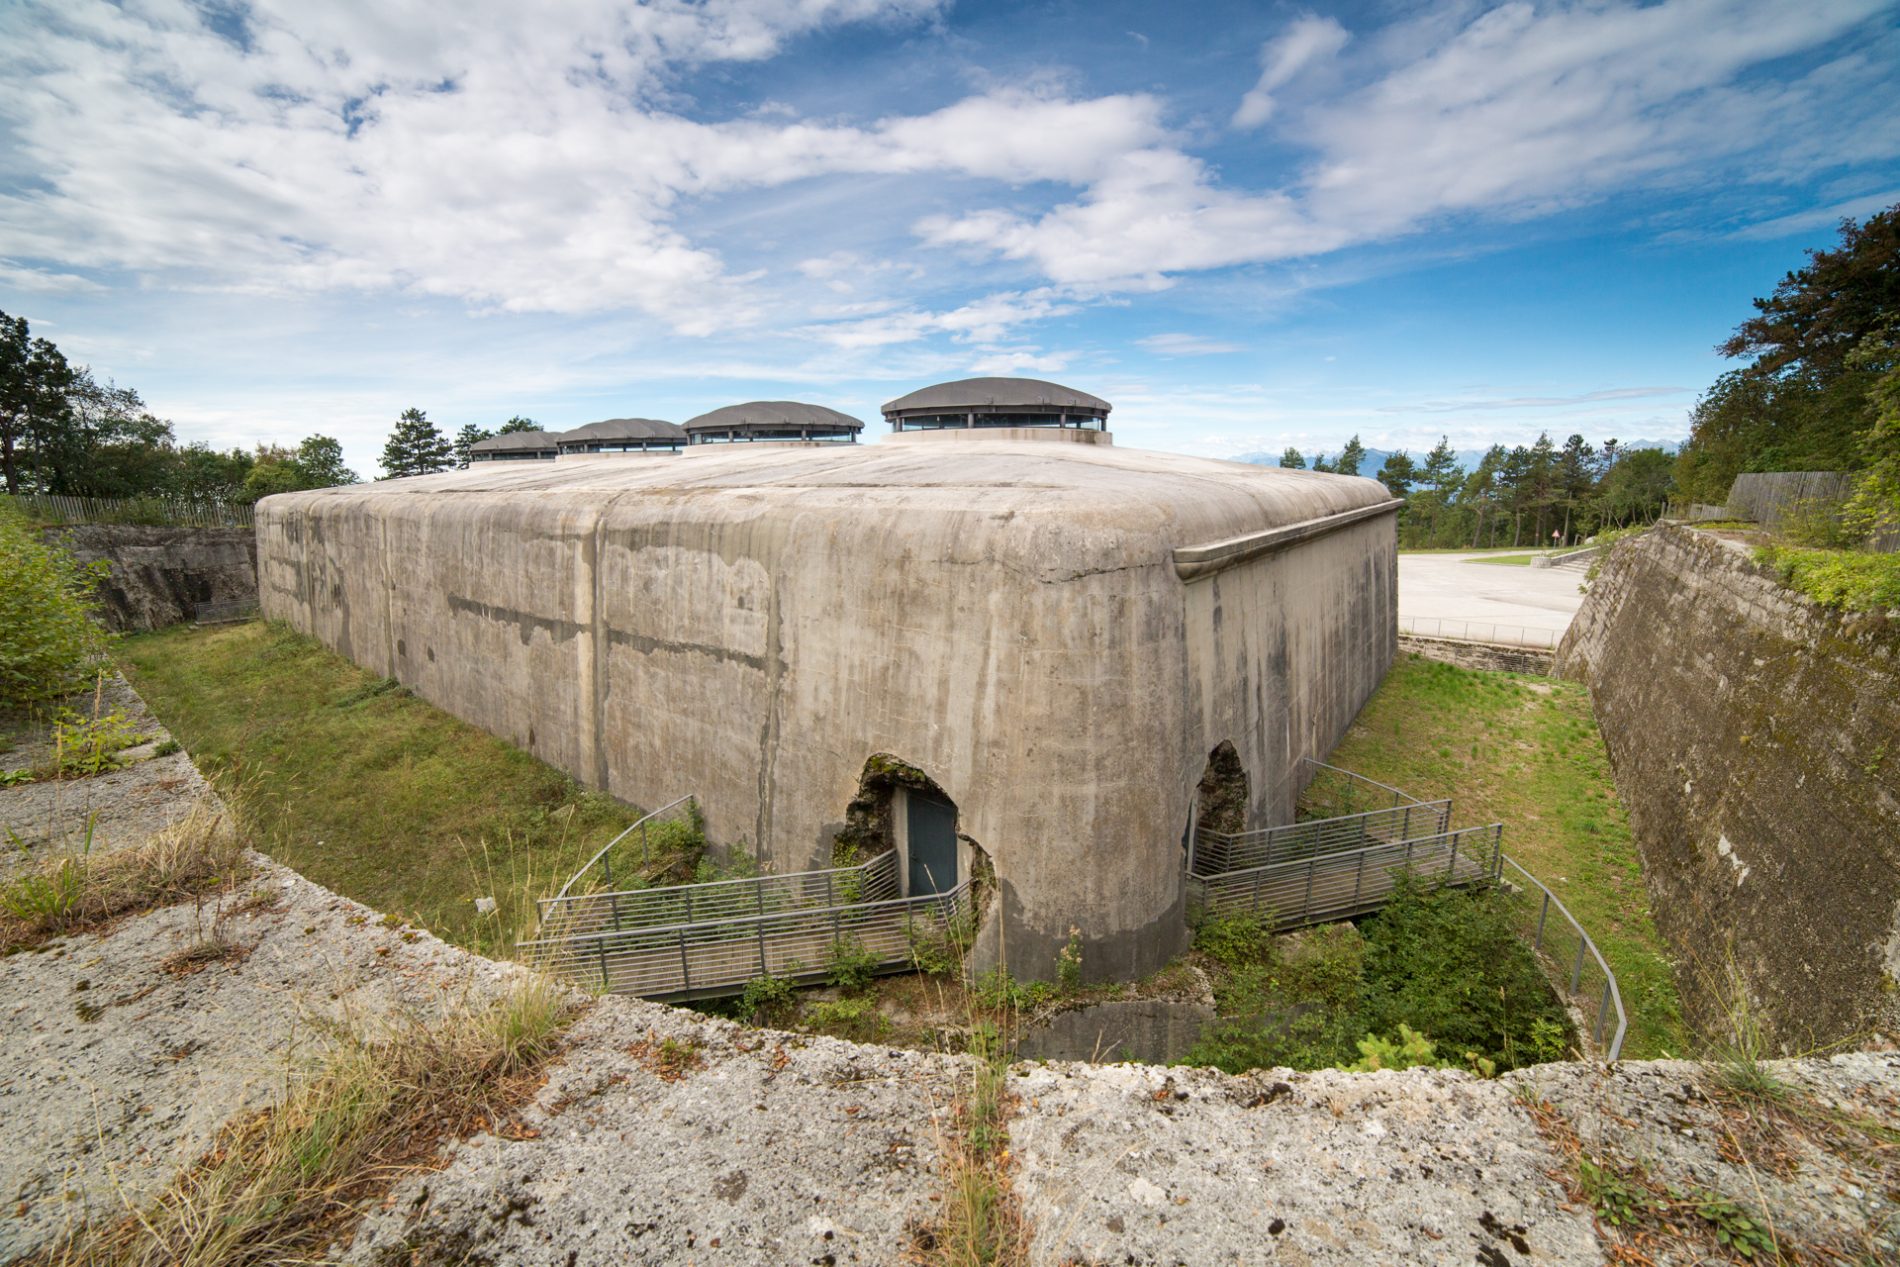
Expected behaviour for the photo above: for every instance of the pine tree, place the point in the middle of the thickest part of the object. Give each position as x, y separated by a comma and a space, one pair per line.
1292, 459
1350, 457
468, 437
416, 447
518, 423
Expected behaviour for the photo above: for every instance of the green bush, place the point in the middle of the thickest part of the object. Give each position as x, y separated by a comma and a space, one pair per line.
1434, 977
850, 966
856, 1018
1234, 941
48, 638
767, 999
1841, 579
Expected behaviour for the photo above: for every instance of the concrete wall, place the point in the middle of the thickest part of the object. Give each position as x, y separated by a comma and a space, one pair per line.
754, 625
1756, 740
1480, 655
159, 576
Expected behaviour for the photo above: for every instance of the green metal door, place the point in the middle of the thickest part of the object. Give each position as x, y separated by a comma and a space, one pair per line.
932, 827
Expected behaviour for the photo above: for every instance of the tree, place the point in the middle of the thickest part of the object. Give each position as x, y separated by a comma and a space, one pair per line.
517, 423
1439, 479
415, 447
1637, 488
320, 461
1819, 346
469, 436
1292, 460
1398, 473
1350, 457
316, 463
1481, 489
1820, 314
1576, 478
34, 380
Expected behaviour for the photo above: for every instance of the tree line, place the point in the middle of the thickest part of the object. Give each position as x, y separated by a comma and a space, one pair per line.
1525, 495
1821, 387
65, 432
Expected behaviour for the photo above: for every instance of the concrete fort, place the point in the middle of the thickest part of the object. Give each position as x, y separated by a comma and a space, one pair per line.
1046, 641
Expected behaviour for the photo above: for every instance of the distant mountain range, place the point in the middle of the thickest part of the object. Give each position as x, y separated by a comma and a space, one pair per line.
1468, 459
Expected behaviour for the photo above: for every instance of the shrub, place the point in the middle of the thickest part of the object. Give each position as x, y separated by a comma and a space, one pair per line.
1234, 941
850, 966
857, 1018
767, 998
1411, 1050
48, 639
1069, 962
89, 746
1841, 579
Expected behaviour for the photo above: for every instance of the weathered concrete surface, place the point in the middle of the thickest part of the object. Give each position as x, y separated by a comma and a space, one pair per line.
1755, 739
122, 807
1480, 655
160, 576
1150, 1031
1134, 1164
769, 1149
752, 626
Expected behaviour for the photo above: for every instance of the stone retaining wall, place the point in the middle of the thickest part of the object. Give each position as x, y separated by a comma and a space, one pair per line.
161, 575
1755, 738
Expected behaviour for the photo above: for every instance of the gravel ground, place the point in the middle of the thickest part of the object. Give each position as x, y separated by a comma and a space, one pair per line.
118, 1072
38, 820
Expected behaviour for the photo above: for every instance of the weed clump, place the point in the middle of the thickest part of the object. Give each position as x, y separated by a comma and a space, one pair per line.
49, 640
195, 855
278, 1184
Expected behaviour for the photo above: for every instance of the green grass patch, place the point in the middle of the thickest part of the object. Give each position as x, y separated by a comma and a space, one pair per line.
1845, 580
366, 789
1525, 751
1509, 560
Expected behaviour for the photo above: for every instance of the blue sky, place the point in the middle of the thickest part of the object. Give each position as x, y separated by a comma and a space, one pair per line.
1246, 225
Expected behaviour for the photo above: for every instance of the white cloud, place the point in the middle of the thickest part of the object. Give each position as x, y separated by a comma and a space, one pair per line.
1308, 40
1517, 112
1187, 345
1597, 397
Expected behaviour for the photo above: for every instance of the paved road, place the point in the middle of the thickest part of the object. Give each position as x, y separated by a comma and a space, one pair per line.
1452, 587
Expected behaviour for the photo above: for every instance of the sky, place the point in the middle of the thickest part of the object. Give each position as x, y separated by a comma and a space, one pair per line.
1246, 225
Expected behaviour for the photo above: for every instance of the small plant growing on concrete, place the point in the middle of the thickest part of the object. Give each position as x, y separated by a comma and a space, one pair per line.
1069, 962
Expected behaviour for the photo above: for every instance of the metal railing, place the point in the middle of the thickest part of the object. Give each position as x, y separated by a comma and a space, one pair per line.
1479, 631
643, 826
1335, 886
197, 512
1212, 852
715, 900
1572, 961
1330, 792
223, 613
707, 958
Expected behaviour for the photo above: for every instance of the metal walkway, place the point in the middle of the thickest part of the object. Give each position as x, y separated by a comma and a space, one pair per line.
689, 941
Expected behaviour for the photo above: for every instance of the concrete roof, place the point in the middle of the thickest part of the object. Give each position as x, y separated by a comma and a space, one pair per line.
1102, 493
515, 442
997, 394
772, 415
625, 429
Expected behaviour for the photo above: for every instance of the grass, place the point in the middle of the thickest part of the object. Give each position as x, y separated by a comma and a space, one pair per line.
195, 855
279, 1185
1510, 560
366, 789
1525, 751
